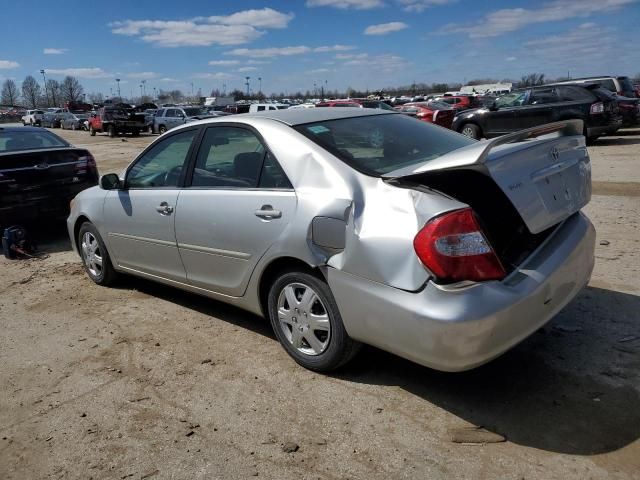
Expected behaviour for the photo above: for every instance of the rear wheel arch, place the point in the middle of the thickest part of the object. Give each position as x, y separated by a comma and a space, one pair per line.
276, 268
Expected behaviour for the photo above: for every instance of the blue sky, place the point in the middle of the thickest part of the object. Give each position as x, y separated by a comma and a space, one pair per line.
292, 44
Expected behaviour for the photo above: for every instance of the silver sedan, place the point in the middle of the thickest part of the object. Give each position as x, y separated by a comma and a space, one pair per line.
350, 226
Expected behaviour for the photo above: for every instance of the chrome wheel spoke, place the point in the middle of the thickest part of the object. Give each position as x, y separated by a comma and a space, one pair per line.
285, 315
97, 260
309, 297
319, 322
290, 295
316, 345
296, 337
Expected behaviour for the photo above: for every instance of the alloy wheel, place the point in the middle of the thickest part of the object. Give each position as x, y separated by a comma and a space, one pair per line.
304, 319
91, 254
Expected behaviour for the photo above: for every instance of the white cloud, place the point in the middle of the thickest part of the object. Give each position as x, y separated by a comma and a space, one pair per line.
511, 59
587, 41
55, 51
224, 63
92, 72
317, 70
269, 52
384, 62
168, 79
213, 76
6, 64
421, 5
273, 52
246, 69
264, 18
143, 75
508, 20
334, 48
258, 62
345, 4
385, 28
236, 29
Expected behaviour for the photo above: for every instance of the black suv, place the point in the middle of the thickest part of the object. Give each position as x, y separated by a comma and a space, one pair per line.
530, 107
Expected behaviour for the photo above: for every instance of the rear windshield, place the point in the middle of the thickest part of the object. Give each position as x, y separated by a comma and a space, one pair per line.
192, 112
379, 144
29, 140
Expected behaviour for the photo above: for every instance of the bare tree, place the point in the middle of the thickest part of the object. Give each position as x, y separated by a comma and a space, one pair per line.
53, 93
96, 98
10, 93
532, 80
71, 89
30, 91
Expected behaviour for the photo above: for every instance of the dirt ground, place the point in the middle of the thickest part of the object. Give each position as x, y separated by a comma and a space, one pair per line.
143, 381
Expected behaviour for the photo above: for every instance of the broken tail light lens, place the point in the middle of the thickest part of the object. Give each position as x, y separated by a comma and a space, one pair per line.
454, 248
597, 108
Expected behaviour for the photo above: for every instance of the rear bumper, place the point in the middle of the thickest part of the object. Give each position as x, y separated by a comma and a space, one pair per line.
45, 206
459, 329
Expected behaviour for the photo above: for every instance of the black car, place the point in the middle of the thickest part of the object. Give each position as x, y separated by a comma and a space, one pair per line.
530, 107
52, 119
73, 121
39, 174
630, 111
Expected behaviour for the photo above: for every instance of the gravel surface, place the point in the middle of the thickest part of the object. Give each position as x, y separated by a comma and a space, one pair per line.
144, 381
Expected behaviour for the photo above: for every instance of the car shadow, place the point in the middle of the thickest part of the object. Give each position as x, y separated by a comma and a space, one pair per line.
547, 393
605, 141
49, 236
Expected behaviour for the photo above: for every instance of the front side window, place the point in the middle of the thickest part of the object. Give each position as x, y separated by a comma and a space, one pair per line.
229, 157
514, 99
543, 96
162, 164
379, 144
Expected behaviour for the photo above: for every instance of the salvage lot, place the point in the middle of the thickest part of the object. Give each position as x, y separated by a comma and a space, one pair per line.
143, 381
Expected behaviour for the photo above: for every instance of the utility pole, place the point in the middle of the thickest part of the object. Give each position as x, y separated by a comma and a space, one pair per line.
247, 84
155, 96
44, 78
260, 88
118, 82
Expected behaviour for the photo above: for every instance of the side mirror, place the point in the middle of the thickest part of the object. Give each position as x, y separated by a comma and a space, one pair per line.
493, 107
110, 181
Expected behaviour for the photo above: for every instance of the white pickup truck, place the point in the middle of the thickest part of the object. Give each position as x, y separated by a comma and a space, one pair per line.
32, 117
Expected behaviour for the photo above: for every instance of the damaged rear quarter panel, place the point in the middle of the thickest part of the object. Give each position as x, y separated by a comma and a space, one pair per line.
381, 220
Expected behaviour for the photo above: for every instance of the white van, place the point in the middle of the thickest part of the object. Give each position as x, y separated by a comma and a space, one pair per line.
262, 107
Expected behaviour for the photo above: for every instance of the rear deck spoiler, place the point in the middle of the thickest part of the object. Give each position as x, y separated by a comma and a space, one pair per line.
479, 152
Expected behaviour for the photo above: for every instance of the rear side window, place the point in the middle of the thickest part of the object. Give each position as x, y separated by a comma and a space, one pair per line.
379, 144
574, 94
608, 83
16, 141
261, 108
542, 96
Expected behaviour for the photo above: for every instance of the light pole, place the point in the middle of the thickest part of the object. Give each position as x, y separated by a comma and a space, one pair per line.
144, 88
154, 93
224, 89
118, 82
260, 84
44, 78
141, 93
247, 84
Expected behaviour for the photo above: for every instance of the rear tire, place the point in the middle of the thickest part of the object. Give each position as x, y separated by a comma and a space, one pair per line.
470, 130
95, 257
162, 129
306, 320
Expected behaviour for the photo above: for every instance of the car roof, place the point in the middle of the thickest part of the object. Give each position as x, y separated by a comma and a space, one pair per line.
20, 129
300, 116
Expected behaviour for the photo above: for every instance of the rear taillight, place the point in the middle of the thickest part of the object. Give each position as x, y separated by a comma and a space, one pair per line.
597, 108
425, 115
454, 249
435, 115
84, 164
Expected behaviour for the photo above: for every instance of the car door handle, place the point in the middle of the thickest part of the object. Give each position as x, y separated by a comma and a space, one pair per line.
164, 209
268, 213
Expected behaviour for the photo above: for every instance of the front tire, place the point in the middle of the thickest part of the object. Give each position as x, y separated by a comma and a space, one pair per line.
95, 257
470, 130
306, 320
162, 129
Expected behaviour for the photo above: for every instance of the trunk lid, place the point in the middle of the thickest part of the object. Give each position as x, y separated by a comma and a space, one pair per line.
35, 171
545, 172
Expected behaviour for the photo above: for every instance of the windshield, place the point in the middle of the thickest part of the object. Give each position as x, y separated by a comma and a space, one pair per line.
192, 112
15, 141
379, 144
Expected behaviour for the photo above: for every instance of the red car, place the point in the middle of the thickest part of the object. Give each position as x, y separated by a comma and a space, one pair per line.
432, 112
462, 102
